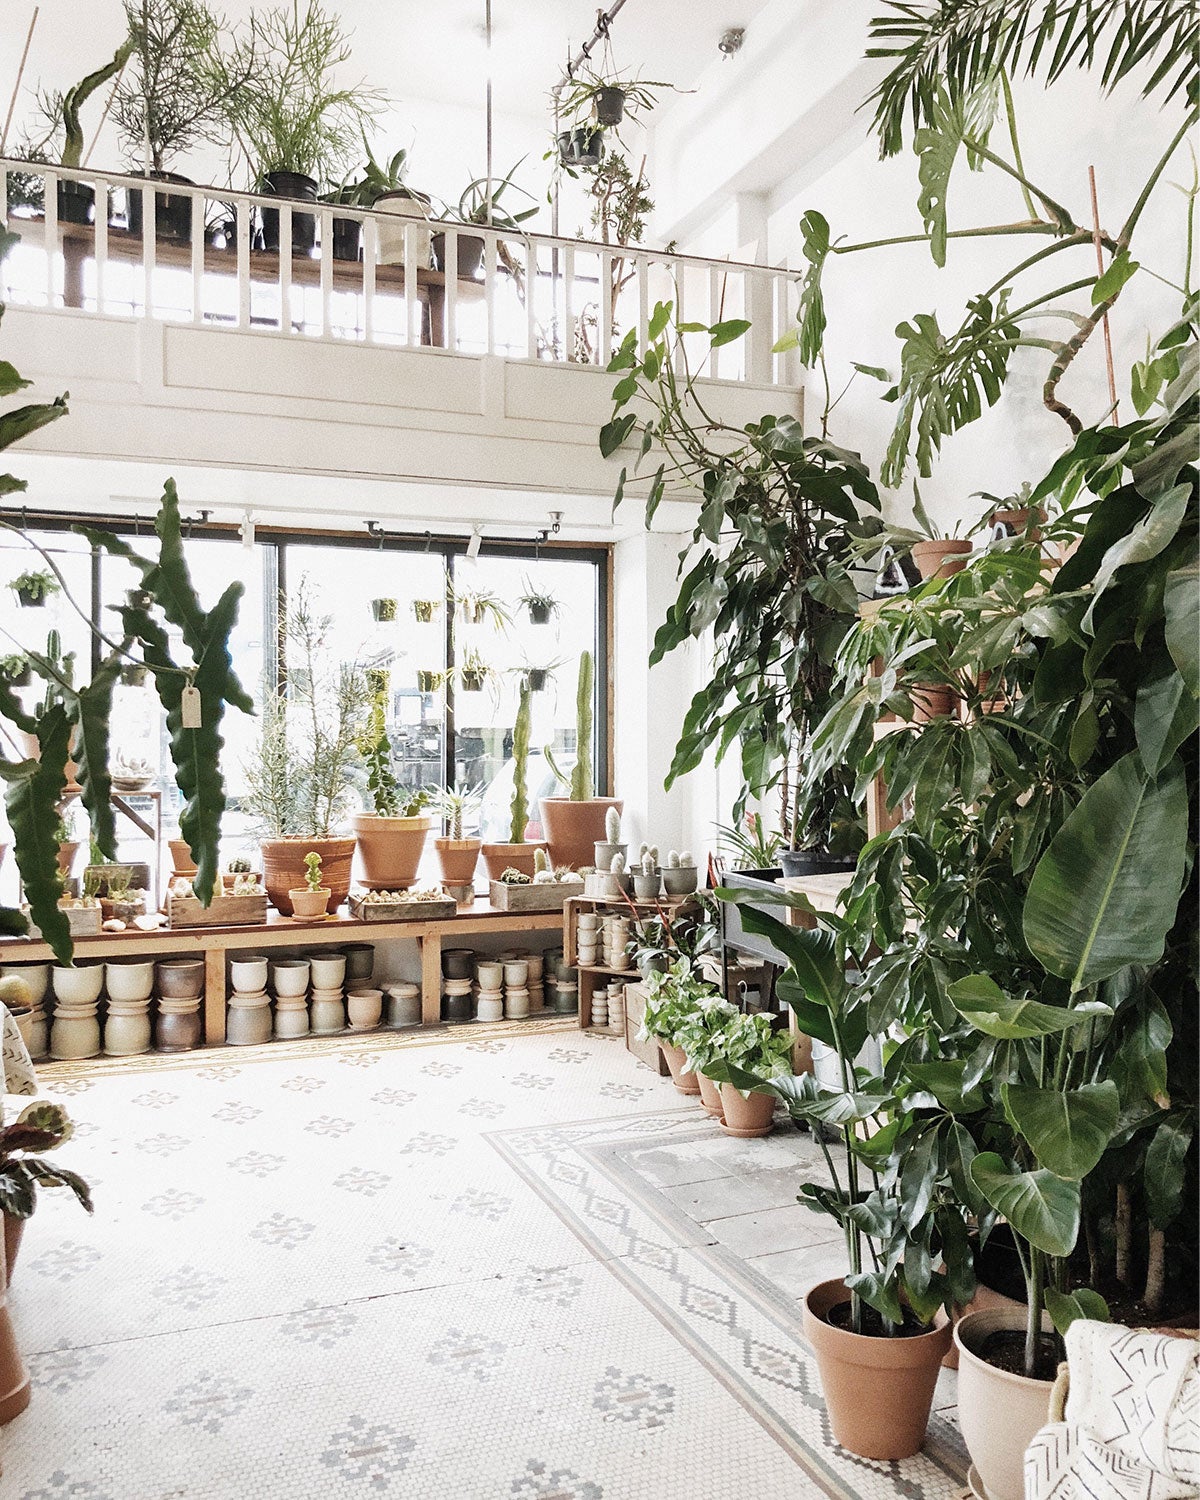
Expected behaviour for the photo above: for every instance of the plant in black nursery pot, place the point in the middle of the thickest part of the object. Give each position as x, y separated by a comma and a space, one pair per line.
34, 587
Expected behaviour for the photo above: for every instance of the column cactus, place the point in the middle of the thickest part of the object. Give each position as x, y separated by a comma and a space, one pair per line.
519, 808
582, 781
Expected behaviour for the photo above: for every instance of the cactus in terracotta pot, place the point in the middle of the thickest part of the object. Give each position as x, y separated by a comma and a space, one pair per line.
575, 824
312, 898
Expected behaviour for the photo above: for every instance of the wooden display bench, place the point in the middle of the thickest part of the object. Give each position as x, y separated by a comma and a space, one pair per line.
215, 944
589, 974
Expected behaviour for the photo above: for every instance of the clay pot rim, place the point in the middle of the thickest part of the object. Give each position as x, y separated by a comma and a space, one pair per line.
394, 821
994, 1320
870, 1349
952, 544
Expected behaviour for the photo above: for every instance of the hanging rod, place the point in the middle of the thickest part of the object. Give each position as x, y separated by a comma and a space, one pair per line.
604, 20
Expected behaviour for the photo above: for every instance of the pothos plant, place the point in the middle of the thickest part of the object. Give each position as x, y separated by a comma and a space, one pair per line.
767, 571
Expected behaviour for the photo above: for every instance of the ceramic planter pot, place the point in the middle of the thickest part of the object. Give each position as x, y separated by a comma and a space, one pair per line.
14, 1233
406, 207
471, 249
365, 1008
327, 1012
177, 1030
604, 853
747, 1118
127, 1030
180, 978
500, 857
516, 973
941, 559
390, 849
710, 1097
249, 973
360, 960
248, 1025
129, 981
458, 858
998, 1412
573, 829
74, 1034
878, 1391
456, 963
646, 887
291, 1018
289, 976
328, 970
489, 974
81, 985
36, 976
310, 903
403, 1004
283, 869
686, 1083
680, 881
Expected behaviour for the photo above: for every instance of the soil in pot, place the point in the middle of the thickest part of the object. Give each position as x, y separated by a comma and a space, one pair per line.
470, 256
878, 1390
283, 869
573, 829
172, 211
390, 849
304, 226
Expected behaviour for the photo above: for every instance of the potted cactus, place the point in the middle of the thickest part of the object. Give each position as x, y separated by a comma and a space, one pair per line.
646, 878
680, 877
607, 848
456, 854
312, 898
516, 854
576, 824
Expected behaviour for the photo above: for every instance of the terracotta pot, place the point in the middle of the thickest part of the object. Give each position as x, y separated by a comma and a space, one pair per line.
878, 1391
747, 1118
500, 857
32, 750
390, 849
573, 829
686, 1083
309, 903
283, 869
710, 1097
1015, 521
66, 857
931, 702
998, 1412
14, 1378
182, 862
941, 559
14, 1231
458, 858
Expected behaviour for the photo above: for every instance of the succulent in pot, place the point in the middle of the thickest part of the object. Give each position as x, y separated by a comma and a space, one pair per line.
457, 854
34, 587
312, 898
517, 854
576, 824
680, 877
647, 879
424, 610
383, 610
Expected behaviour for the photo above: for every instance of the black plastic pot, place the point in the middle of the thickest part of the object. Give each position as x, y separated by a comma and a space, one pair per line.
470, 255
29, 600
535, 679
76, 202
347, 239
581, 147
610, 105
807, 862
383, 609
539, 614
472, 682
423, 610
304, 226
172, 211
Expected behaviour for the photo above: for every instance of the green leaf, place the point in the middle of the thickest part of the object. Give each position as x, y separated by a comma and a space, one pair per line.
980, 1000
1165, 716
1065, 1307
614, 433
22, 420
31, 801
727, 332
1069, 1130
659, 319
1106, 891
1165, 1175
880, 1292
91, 710
944, 1080
1041, 1207
937, 145
624, 391
1181, 605
1145, 541
1116, 274
810, 313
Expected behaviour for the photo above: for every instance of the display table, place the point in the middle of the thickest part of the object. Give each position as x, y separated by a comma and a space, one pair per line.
216, 943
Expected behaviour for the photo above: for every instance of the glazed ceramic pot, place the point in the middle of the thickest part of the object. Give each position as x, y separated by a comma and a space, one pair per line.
289, 976
566, 998
710, 1094
941, 559
686, 1083
573, 829
457, 858
998, 1411
327, 1012
360, 960
403, 1004
516, 1005
364, 1007
127, 1029
878, 1391
746, 1118
180, 978
14, 1378
283, 869
328, 970
36, 976
500, 857
129, 981
249, 972
309, 903
489, 974
604, 853
456, 1001
81, 985
389, 850
456, 963
516, 973
177, 1029
75, 1034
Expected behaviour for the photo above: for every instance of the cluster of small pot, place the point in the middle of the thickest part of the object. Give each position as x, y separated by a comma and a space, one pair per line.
603, 940
122, 1008
644, 879
608, 1008
322, 993
506, 986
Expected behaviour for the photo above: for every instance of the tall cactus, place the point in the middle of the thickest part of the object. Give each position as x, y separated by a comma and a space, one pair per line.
75, 98
520, 799
582, 783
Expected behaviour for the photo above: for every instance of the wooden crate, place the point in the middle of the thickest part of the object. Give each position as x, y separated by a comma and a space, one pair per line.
224, 911
648, 1051
402, 911
544, 897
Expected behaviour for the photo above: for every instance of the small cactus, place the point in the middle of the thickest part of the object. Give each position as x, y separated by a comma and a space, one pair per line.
618, 865
543, 877
643, 849
312, 870
648, 864
653, 853
541, 862
687, 860
673, 860
612, 826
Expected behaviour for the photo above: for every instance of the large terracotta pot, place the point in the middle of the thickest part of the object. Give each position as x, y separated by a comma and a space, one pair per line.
686, 1083
501, 857
941, 559
182, 862
389, 850
710, 1097
283, 869
746, 1118
32, 750
14, 1378
998, 1412
573, 829
458, 858
878, 1391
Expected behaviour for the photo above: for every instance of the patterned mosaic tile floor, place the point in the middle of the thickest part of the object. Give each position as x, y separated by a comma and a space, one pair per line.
473, 1265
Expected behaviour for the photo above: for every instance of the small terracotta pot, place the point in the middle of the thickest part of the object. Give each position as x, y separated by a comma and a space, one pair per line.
283, 869
14, 1378
878, 1391
931, 702
66, 857
309, 903
998, 1412
710, 1097
1015, 521
458, 858
500, 857
686, 1083
365, 1008
182, 862
941, 559
746, 1118
390, 849
573, 829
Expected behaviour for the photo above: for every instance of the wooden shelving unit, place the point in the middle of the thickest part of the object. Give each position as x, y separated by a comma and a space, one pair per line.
589, 973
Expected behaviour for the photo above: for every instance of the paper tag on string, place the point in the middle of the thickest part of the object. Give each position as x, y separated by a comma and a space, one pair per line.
189, 706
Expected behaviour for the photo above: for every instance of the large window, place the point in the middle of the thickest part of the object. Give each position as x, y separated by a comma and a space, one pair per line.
450, 640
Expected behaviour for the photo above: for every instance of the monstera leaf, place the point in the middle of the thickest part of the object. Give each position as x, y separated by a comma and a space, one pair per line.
1042, 1207
1068, 1129
955, 120
31, 801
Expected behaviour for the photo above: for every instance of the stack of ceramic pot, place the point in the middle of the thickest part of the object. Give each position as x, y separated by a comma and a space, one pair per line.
489, 991
616, 939
127, 1027
566, 989
536, 970
365, 1006
600, 1006
179, 984
32, 1024
248, 1020
289, 980
76, 1031
326, 1011
616, 1008
516, 990
456, 984
588, 938
403, 1004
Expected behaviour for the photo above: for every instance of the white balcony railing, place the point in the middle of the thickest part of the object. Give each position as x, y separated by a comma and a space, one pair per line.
96, 242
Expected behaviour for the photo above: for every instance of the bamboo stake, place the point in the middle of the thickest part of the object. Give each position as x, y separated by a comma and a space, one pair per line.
12, 103
1108, 354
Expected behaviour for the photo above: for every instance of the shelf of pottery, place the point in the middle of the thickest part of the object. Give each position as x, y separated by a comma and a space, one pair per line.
507, 986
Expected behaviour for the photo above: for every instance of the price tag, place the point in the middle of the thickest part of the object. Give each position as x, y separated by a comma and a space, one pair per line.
190, 708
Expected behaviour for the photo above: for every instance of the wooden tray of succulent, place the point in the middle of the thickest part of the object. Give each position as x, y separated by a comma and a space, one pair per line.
246, 909
539, 895
402, 906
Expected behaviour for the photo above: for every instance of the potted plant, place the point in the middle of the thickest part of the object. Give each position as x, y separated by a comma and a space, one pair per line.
64, 137
575, 824
15, 670
292, 119
383, 188
480, 204
391, 836
673, 999
680, 876
647, 878
542, 606
383, 611
300, 784
39, 1127
603, 94
663, 936
474, 673
68, 848
483, 607
581, 146
606, 849
430, 680
34, 587
425, 610
457, 854
516, 854
700, 1034
312, 898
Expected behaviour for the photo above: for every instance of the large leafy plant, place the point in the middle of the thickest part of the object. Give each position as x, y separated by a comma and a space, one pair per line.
39, 1127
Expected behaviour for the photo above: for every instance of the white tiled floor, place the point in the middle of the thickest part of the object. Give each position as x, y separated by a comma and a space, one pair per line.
488, 1266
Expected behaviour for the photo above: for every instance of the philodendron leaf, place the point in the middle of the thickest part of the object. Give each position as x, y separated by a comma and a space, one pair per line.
980, 1000
1181, 605
1040, 1206
1106, 891
1065, 1307
1068, 1129
91, 710
31, 801
1163, 1179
